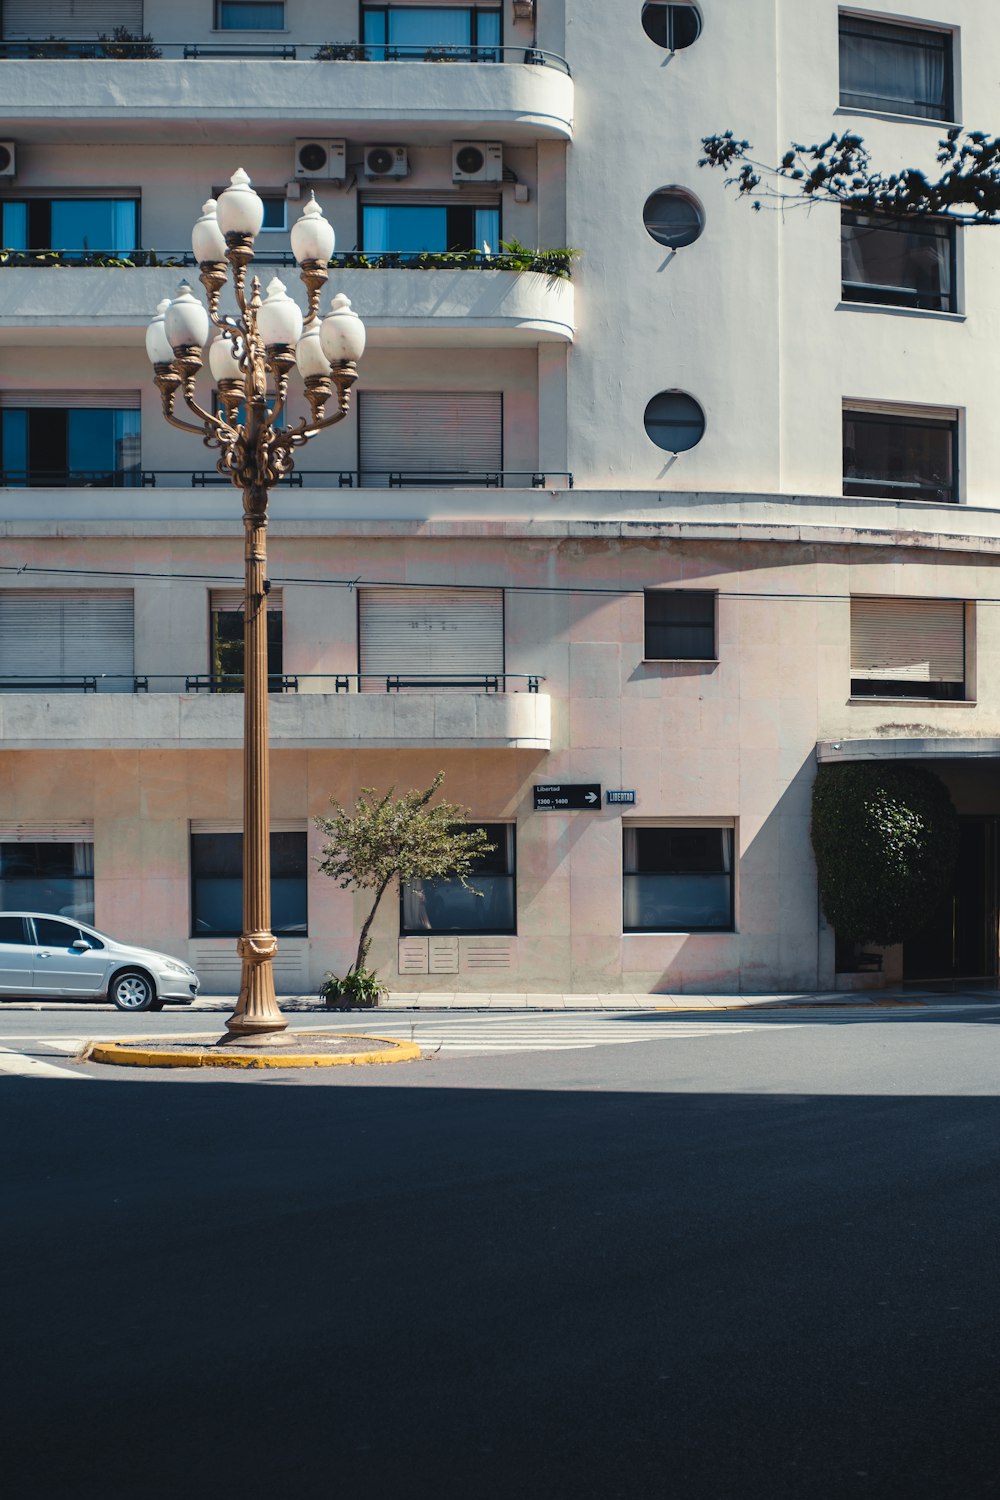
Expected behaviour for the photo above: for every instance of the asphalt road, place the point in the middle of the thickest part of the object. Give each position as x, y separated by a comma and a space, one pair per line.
746, 1262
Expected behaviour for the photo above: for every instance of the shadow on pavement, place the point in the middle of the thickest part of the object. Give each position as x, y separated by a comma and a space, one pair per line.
479, 1293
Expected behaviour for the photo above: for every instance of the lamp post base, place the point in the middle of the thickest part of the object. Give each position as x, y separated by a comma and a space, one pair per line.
256, 1012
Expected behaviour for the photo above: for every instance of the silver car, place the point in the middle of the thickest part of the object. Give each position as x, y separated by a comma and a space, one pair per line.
47, 957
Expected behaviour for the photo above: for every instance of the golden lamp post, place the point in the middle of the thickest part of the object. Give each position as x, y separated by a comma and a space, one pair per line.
251, 359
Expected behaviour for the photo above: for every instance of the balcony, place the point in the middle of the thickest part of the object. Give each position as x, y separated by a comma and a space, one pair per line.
77, 717
401, 306
523, 96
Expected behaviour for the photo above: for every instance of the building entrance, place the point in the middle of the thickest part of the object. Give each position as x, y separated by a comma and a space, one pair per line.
963, 938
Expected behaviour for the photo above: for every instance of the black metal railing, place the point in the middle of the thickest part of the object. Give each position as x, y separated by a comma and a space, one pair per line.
393, 479
278, 682
56, 48
557, 263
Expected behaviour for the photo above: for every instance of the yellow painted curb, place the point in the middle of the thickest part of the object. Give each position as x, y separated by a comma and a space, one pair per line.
125, 1055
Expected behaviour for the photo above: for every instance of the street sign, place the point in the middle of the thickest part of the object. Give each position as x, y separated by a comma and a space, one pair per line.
620, 797
579, 796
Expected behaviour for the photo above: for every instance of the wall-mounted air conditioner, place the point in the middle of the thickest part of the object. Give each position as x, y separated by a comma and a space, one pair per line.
386, 161
8, 159
476, 161
326, 159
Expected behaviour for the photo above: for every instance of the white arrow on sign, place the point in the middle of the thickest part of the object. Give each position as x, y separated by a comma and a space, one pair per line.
590, 797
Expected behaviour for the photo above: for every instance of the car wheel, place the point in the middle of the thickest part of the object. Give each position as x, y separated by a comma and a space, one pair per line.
132, 990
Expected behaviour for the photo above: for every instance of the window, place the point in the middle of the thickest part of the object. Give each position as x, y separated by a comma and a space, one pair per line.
898, 262
249, 15
48, 875
673, 217
217, 884
420, 31
671, 26
50, 933
889, 457
446, 906
902, 70
74, 226
908, 648
275, 211
48, 634
227, 640
413, 438
408, 228
430, 637
45, 440
82, 19
674, 421
678, 879
680, 625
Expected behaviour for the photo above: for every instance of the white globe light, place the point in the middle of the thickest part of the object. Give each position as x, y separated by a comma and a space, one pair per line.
312, 234
279, 320
309, 354
224, 359
239, 209
342, 333
207, 239
158, 346
185, 319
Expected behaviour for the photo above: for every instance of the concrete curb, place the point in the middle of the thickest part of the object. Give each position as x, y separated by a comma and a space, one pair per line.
131, 1055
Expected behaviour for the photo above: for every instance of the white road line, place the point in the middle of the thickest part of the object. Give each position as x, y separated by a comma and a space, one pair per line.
20, 1065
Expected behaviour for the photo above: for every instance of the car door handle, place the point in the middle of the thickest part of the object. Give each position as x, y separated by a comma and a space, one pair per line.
43, 953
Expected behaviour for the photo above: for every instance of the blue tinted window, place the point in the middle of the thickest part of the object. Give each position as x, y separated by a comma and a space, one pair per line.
416, 30
410, 228
15, 226
93, 224
217, 884
250, 15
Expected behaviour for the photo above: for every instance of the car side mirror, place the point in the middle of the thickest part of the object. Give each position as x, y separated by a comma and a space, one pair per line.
81, 945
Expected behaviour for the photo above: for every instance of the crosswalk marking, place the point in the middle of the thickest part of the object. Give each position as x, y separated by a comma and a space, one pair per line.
543, 1033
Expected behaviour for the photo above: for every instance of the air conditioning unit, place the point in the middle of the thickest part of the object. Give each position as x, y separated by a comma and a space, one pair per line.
386, 161
476, 161
326, 159
8, 159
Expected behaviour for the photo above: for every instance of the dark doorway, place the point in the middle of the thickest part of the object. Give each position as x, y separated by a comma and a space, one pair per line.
961, 940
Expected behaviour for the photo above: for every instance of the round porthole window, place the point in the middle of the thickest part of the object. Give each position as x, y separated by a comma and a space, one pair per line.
671, 26
673, 217
674, 421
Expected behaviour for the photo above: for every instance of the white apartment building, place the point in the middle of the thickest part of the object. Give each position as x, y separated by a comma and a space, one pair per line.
716, 508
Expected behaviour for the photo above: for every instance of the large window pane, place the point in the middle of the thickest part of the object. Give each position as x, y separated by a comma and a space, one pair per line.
227, 649
897, 69
416, 31
93, 224
217, 884
408, 229
249, 15
446, 906
48, 876
897, 262
678, 879
75, 445
899, 458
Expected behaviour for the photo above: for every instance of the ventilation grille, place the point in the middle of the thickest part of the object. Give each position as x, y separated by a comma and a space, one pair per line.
486, 953
219, 969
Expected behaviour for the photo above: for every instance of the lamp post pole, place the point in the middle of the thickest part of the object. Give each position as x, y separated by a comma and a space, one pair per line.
251, 360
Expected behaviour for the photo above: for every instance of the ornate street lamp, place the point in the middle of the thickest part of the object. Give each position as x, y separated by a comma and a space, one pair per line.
251, 359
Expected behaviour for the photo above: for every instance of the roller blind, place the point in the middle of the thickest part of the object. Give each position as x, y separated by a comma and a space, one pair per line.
68, 633
233, 825
69, 19
64, 400
428, 632
920, 640
230, 601
47, 833
426, 432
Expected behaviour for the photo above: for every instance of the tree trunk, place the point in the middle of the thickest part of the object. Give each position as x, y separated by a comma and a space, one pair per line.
364, 942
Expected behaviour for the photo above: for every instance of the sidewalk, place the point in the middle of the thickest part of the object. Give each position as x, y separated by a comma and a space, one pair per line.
439, 1000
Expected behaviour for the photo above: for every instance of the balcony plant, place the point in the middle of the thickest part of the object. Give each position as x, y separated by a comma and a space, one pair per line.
340, 52
123, 43
386, 839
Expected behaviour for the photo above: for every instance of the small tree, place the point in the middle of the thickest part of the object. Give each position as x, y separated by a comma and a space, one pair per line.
886, 841
388, 839
123, 43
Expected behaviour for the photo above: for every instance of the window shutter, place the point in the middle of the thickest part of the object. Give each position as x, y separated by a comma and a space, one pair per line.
919, 640
230, 601
47, 833
427, 632
69, 19
233, 825
68, 633
70, 400
421, 433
